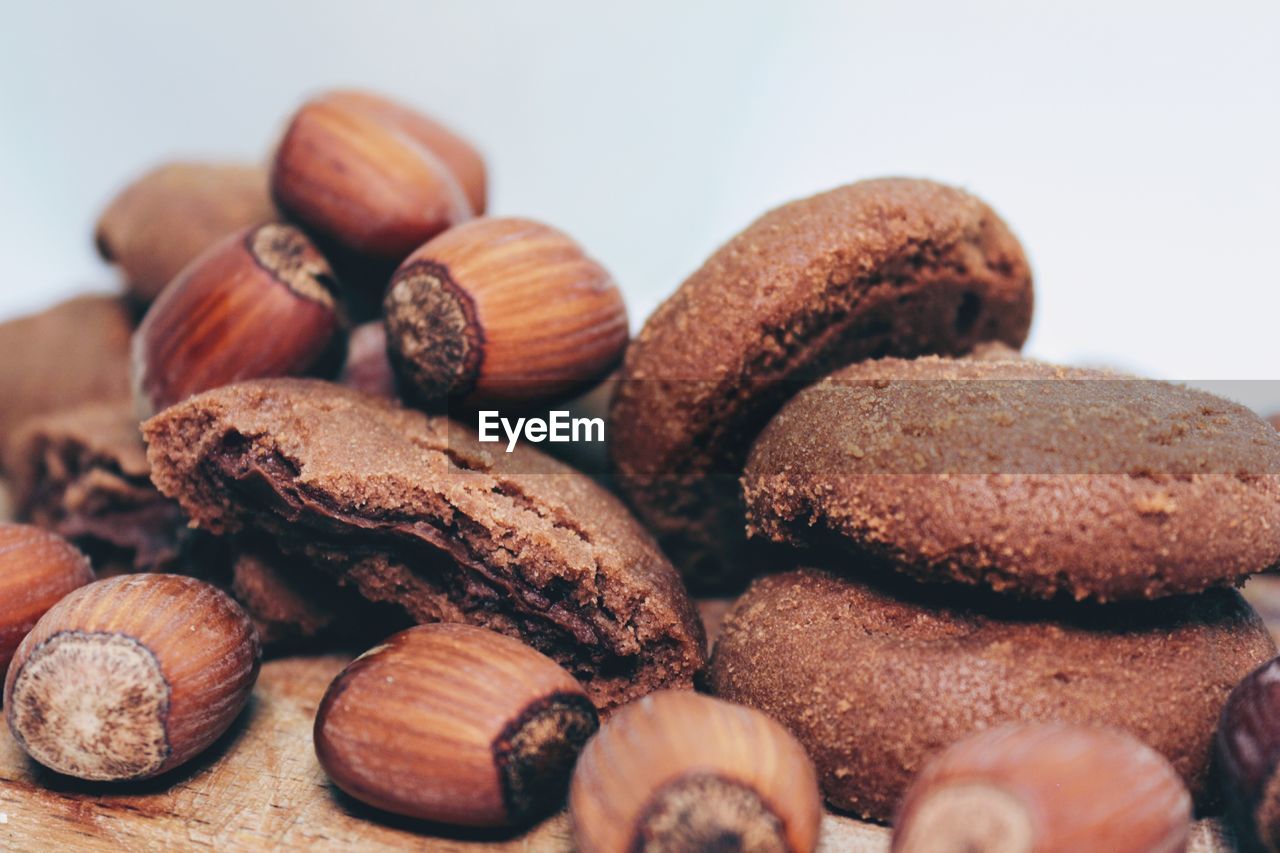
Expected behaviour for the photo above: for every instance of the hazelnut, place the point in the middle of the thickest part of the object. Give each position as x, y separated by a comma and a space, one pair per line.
1045, 787
129, 677
363, 183
37, 569
679, 771
458, 154
1248, 746
502, 310
257, 304
159, 223
456, 725
367, 367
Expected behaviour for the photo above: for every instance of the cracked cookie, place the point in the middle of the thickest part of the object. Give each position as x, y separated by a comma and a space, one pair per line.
412, 509
83, 474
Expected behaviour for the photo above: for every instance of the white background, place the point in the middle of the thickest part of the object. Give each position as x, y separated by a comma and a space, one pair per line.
1134, 147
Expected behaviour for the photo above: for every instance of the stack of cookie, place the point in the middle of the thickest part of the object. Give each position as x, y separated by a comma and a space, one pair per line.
965, 538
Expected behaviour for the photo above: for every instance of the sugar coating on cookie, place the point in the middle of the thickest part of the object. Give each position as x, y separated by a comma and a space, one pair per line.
1022, 476
413, 510
883, 267
874, 679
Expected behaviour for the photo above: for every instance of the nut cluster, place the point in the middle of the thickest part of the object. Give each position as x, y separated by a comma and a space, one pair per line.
497, 310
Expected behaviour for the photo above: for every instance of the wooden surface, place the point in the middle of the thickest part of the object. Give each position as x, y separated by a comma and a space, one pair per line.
260, 787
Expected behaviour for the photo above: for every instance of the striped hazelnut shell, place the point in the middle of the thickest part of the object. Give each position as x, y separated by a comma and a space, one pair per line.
462, 158
680, 771
37, 568
132, 676
456, 725
502, 310
258, 304
1045, 787
363, 183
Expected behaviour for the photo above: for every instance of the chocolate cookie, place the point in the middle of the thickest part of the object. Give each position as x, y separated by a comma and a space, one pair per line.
1024, 477
884, 267
411, 509
875, 679
83, 474
76, 352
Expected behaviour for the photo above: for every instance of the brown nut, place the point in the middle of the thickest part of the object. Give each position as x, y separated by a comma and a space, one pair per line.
258, 304
362, 182
1047, 788
367, 367
37, 569
502, 310
456, 725
132, 676
1248, 746
679, 771
458, 154
159, 223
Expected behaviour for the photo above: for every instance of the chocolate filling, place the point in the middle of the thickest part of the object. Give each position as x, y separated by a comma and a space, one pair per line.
89, 497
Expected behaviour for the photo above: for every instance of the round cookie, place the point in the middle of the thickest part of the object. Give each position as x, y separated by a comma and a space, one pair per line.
1022, 476
874, 679
883, 267
413, 510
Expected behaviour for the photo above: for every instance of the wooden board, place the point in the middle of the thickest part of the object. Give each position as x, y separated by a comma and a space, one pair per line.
260, 787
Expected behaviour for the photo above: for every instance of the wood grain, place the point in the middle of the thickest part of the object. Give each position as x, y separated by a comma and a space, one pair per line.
259, 787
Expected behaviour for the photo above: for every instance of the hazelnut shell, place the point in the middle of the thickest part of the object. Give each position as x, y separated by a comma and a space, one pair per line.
258, 304
1045, 787
1248, 751
680, 771
362, 183
456, 725
37, 568
502, 310
458, 154
129, 677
